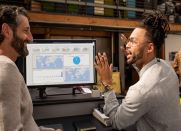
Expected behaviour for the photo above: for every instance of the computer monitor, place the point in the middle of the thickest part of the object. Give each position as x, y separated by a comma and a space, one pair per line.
60, 62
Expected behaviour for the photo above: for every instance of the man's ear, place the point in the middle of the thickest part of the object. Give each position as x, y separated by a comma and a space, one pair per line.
150, 47
6, 30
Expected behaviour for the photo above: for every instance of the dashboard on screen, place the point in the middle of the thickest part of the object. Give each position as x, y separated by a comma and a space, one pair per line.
60, 62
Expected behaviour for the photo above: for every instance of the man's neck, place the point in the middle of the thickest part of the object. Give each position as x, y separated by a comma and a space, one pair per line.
142, 64
8, 54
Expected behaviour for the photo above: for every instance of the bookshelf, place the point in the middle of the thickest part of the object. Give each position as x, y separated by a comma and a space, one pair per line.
60, 19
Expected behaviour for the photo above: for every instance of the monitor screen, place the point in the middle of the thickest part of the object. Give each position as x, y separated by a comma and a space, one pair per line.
60, 62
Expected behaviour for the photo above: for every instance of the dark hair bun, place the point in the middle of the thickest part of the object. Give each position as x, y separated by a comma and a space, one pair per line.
157, 27
156, 20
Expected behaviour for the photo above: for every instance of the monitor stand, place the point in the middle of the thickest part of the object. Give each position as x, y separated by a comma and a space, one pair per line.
42, 93
78, 88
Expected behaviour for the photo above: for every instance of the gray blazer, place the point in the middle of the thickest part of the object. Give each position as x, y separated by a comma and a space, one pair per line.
152, 103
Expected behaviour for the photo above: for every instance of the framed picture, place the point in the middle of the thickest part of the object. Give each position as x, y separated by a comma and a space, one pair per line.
172, 55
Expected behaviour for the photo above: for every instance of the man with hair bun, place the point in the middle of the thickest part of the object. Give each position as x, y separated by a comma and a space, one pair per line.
153, 102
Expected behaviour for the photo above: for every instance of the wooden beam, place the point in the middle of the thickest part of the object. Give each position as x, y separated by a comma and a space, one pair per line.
175, 27
68, 32
82, 20
115, 23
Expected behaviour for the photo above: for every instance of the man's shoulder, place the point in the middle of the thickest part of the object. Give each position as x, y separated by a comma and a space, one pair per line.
7, 64
5, 60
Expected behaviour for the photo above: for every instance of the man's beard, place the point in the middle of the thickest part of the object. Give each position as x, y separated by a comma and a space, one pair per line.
137, 57
20, 46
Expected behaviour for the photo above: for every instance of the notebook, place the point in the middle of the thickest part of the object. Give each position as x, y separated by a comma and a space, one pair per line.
54, 126
84, 125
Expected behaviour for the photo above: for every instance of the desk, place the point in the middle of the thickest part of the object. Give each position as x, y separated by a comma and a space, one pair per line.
66, 105
67, 123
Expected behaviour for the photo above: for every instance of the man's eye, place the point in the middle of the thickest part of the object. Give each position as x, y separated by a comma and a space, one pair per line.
26, 31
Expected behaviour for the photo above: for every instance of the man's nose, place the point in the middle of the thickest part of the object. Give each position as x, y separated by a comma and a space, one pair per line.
128, 44
30, 37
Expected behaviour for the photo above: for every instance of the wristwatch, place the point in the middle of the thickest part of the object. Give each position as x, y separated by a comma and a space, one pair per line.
106, 86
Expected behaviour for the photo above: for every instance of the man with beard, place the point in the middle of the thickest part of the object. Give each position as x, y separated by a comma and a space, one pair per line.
153, 102
15, 101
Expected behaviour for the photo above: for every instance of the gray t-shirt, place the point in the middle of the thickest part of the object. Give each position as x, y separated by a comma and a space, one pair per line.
15, 101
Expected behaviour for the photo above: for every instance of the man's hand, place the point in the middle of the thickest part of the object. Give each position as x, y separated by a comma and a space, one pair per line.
124, 41
103, 68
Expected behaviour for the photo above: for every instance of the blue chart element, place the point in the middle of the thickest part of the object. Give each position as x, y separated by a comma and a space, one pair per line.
76, 60
77, 74
49, 62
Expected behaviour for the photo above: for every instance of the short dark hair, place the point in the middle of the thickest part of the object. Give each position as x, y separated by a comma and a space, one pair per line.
157, 27
8, 14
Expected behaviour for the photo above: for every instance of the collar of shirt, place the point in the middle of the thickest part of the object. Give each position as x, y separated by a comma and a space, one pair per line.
140, 72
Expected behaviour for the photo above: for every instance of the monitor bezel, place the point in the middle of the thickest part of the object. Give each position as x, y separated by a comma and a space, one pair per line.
73, 41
